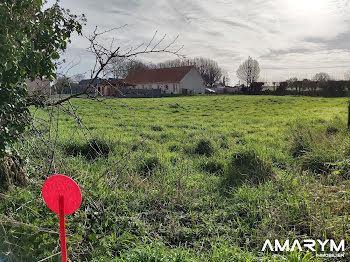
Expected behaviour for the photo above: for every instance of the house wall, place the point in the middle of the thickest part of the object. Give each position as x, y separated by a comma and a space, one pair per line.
167, 88
193, 83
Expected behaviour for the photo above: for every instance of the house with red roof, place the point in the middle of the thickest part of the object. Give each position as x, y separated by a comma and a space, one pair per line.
174, 80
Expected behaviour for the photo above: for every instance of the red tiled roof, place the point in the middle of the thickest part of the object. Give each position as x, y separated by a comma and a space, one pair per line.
161, 75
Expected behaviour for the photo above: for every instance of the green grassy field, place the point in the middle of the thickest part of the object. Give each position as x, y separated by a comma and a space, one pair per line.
202, 178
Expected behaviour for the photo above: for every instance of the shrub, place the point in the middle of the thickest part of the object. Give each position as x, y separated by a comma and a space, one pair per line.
148, 164
342, 168
91, 149
204, 147
246, 164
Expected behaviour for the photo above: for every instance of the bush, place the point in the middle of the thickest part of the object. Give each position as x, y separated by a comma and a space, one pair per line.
204, 147
342, 168
91, 149
246, 164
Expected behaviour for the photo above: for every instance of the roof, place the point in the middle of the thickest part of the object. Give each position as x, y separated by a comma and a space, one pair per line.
111, 81
160, 75
87, 81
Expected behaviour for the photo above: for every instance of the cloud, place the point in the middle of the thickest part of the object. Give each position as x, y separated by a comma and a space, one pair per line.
292, 35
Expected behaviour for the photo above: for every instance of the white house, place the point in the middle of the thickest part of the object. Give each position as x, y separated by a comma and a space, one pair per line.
174, 80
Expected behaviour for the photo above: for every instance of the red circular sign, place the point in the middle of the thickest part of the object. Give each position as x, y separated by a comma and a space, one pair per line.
58, 186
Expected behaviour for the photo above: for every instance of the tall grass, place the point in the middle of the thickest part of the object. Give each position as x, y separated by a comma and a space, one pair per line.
204, 178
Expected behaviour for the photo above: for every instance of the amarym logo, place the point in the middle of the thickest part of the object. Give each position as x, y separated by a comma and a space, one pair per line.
305, 245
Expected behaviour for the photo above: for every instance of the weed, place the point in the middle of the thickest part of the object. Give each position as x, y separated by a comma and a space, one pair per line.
148, 164
204, 147
211, 165
246, 164
90, 149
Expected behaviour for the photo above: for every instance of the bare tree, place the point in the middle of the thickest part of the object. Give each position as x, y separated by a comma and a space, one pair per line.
208, 68
292, 83
249, 71
274, 83
121, 67
104, 55
77, 78
116, 67
321, 77
347, 75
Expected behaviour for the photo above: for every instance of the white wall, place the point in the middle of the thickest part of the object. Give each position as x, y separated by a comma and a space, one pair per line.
162, 86
193, 82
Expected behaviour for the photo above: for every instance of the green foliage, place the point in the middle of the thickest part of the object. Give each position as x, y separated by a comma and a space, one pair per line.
317, 149
148, 164
30, 41
212, 165
246, 164
204, 147
91, 149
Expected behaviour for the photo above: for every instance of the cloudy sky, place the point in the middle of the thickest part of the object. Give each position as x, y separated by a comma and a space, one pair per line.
288, 37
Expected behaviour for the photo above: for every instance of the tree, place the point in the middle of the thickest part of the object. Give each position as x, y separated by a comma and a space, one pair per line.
208, 68
249, 71
274, 83
322, 77
292, 83
31, 40
347, 75
120, 67
224, 81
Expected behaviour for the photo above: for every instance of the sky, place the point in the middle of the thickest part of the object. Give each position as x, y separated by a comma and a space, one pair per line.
289, 38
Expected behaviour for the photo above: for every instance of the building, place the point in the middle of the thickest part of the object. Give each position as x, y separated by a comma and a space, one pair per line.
218, 88
112, 87
175, 80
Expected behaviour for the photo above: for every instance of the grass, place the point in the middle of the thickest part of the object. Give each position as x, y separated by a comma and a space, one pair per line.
201, 178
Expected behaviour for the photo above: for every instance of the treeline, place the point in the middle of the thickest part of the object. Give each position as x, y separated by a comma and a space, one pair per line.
320, 85
331, 88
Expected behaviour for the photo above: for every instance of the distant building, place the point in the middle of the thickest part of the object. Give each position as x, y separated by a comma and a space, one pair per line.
112, 87
219, 89
175, 80
38, 87
85, 82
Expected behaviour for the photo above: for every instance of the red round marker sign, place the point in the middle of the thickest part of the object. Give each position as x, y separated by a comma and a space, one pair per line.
62, 195
60, 185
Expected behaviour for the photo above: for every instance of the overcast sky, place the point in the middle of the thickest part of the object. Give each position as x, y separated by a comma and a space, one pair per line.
287, 37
